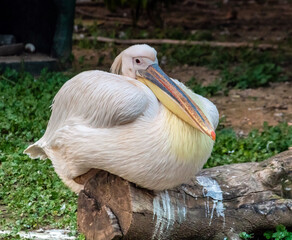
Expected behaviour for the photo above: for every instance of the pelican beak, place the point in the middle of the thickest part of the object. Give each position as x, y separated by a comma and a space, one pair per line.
175, 99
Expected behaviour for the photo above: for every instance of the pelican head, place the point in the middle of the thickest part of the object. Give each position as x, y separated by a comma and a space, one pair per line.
140, 62
133, 59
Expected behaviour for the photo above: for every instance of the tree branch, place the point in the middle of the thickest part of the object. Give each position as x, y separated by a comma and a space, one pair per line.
177, 42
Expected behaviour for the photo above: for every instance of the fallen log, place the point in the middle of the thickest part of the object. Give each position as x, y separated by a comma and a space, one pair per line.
177, 42
218, 203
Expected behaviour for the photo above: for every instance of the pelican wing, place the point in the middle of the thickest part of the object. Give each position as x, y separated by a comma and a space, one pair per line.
94, 99
98, 99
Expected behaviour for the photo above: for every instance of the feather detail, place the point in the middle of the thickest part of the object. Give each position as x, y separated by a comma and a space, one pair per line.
116, 67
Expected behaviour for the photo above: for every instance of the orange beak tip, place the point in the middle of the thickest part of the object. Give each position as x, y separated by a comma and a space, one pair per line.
213, 135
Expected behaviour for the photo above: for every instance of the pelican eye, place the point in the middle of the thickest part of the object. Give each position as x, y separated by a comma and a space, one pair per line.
138, 61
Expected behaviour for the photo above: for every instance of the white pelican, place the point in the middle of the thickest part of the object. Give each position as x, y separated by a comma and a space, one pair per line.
135, 122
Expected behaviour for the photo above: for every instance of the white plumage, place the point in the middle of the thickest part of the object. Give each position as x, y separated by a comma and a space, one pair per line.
115, 123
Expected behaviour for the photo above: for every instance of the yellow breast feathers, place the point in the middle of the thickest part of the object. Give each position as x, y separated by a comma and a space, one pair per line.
187, 143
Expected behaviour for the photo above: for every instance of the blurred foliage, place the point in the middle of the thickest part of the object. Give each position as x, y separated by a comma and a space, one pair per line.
280, 234
239, 68
205, 91
245, 236
152, 7
131, 32
248, 75
219, 57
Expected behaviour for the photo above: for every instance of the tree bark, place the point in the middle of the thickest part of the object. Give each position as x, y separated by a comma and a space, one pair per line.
219, 202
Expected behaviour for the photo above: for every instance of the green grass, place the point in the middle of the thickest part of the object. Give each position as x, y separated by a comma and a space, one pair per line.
257, 146
30, 191
280, 233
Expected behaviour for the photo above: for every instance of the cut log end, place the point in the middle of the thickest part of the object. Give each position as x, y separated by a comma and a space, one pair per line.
219, 202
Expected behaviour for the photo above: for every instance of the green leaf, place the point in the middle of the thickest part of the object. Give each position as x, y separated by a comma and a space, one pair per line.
268, 234
244, 235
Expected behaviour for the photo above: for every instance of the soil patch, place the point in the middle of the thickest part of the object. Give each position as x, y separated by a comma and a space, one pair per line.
247, 109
